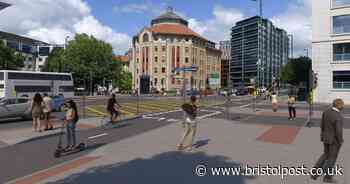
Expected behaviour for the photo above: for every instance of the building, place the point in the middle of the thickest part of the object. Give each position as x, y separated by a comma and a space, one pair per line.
331, 49
168, 43
3, 5
34, 51
259, 59
225, 47
125, 61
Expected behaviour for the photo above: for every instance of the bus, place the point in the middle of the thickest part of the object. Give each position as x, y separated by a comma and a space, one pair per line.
26, 84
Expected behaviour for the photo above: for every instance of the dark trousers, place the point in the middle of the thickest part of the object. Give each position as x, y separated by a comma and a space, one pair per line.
71, 138
292, 112
328, 158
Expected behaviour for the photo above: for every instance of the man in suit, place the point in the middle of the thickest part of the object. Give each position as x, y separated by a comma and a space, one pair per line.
332, 138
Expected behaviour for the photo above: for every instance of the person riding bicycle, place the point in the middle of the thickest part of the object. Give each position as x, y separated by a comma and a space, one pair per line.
113, 108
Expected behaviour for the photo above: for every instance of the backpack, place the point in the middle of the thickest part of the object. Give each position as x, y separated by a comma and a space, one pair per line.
76, 117
190, 109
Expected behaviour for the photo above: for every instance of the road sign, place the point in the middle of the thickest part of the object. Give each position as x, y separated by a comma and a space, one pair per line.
186, 69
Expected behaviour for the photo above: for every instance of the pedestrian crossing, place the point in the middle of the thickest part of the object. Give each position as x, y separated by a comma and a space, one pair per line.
148, 106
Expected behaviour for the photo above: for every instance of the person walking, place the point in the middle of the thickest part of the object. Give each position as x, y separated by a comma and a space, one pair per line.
291, 107
70, 122
47, 112
113, 108
37, 110
332, 138
274, 101
189, 125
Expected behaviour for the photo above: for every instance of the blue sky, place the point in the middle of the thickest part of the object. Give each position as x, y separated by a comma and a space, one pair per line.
117, 21
115, 14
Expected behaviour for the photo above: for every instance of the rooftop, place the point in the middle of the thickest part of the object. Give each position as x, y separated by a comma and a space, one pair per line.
23, 39
169, 17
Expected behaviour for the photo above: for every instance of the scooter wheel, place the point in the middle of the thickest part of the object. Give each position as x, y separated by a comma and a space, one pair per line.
57, 154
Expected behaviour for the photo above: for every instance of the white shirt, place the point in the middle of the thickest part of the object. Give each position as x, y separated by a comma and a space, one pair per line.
335, 109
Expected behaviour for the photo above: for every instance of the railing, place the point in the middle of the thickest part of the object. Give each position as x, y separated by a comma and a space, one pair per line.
341, 57
341, 85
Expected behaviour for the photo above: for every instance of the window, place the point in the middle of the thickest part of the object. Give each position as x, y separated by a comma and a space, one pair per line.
137, 71
145, 38
178, 81
186, 60
137, 60
341, 52
1, 75
22, 100
35, 76
31, 89
341, 79
163, 70
163, 48
341, 24
66, 89
337, 3
186, 49
156, 59
155, 49
155, 70
162, 81
155, 81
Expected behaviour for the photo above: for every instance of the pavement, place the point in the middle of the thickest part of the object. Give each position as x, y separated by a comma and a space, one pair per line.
15, 133
151, 157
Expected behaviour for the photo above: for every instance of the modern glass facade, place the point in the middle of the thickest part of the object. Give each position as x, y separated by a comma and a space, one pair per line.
258, 50
341, 24
338, 3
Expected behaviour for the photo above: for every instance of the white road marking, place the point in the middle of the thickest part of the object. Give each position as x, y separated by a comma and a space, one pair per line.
161, 119
242, 106
172, 120
96, 136
209, 115
161, 113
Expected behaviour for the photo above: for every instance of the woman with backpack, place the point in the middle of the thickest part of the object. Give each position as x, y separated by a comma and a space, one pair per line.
189, 124
70, 122
113, 108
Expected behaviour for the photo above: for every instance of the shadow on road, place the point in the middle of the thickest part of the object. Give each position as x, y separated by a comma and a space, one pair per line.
168, 167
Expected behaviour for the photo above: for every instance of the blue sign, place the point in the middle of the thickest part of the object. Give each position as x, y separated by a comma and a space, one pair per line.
186, 69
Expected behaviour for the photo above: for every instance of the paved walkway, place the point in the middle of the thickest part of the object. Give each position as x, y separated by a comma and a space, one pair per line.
15, 135
151, 157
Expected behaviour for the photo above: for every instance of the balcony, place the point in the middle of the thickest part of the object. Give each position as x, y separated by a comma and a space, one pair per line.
341, 85
338, 58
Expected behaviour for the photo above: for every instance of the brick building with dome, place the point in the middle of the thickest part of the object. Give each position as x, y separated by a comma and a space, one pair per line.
168, 43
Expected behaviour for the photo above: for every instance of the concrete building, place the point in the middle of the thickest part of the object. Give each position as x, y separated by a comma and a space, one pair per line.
331, 49
169, 44
225, 47
260, 59
34, 51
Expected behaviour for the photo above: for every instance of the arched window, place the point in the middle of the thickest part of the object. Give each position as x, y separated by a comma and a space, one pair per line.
145, 38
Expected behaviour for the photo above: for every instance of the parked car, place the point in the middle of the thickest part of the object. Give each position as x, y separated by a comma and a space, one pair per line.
242, 91
57, 102
15, 107
223, 93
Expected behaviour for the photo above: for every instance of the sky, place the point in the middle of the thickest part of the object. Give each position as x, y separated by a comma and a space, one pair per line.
117, 21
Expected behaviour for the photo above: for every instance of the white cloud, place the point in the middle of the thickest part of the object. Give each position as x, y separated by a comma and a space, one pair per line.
51, 21
140, 8
297, 21
219, 27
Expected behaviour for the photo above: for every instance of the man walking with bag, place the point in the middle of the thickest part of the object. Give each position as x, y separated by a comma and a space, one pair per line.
332, 138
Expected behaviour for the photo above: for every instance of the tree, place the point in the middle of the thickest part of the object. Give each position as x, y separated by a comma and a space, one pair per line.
125, 82
9, 58
90, 60
296, 71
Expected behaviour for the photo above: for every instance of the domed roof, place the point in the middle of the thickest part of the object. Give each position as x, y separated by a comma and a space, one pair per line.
169, 17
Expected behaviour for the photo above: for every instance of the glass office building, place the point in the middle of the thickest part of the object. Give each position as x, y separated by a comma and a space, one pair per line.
258, 51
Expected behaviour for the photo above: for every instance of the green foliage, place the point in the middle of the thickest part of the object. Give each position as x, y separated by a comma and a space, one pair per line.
9, 58
296, 71
125, 82
86, 57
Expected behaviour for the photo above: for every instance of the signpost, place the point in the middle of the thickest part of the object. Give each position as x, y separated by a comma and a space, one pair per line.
192, 68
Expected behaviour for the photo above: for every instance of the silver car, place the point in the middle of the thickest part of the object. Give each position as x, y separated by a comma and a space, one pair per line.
15, 107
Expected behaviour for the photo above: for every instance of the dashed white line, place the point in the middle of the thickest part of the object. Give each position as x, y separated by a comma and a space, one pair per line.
96, 136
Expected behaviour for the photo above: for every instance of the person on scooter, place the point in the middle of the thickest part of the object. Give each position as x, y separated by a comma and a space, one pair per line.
70, 121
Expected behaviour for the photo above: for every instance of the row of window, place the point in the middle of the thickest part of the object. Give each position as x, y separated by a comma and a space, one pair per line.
32, 89
36, 76
341, 79
338, 3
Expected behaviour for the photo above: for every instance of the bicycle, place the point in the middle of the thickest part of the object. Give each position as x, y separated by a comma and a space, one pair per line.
106, 121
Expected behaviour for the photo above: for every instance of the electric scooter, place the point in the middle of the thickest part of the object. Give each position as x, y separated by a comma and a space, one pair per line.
60, 151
